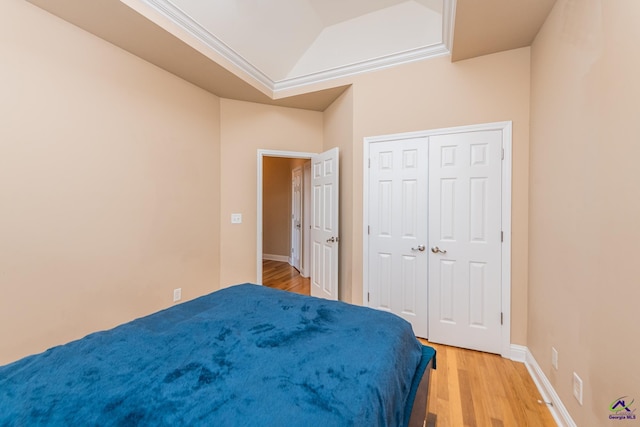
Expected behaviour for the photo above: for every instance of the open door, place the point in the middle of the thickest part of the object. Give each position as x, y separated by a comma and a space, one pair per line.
296, 218
324, 225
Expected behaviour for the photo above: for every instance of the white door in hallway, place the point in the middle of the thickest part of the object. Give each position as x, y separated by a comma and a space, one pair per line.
398, 212
296, 217
324, 225
465, 240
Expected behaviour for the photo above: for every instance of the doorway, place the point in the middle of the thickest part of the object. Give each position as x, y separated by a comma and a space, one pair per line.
437, 245
284, 225
320, 258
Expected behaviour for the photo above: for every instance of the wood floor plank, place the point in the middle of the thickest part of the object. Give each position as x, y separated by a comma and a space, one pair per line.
469, 410
455, 398
482, 406
484, 388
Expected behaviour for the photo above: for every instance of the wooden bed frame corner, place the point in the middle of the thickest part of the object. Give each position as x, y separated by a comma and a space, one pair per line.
420, 409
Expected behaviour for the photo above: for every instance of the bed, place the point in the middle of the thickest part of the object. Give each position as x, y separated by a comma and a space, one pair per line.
242, 356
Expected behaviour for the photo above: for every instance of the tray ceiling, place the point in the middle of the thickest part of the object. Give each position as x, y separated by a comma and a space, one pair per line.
288, 43
299, 53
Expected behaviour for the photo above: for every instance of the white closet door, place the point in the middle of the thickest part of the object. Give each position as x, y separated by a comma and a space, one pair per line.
465, 240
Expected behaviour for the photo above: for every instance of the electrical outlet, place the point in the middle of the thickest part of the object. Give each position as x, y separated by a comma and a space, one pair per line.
554, 358
577, 388
177, 294
236, 218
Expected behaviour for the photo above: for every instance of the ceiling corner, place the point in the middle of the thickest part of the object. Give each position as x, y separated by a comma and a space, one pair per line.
491, 26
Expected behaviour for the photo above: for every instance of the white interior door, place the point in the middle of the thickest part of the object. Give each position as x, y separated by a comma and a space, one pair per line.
324, 224
305, 271
398, 212
465, 240
296, 217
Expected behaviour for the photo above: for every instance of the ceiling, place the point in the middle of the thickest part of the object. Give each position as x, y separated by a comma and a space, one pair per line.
288, 39
296, 53
490, 26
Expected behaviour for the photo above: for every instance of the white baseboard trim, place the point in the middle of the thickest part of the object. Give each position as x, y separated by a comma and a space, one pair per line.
518, 353
559, 412
279, 258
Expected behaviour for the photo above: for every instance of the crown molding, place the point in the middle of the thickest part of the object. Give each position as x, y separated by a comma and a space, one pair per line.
363, 66
448, 22
186, 23
176, 15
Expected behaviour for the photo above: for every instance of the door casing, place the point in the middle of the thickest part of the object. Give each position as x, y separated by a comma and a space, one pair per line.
506, 128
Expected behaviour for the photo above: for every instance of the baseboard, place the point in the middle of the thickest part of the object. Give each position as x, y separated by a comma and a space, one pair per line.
557, 408
518, 353
279, 258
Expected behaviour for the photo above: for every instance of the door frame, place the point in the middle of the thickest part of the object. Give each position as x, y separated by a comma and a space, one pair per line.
506, 128
259, 217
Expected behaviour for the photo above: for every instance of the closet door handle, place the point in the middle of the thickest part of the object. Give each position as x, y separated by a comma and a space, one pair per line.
437, 250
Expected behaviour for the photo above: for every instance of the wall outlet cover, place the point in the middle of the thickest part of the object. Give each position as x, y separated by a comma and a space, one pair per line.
177, 294
577, 388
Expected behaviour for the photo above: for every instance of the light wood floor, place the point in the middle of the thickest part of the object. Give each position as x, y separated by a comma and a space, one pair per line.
468, 388
280, 275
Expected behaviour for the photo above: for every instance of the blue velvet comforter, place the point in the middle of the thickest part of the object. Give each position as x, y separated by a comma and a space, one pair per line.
242, 356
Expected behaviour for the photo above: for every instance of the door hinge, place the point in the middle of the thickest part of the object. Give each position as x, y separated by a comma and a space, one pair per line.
368, 297
502, 236
501, 318
503, 154
369, 163
368, 229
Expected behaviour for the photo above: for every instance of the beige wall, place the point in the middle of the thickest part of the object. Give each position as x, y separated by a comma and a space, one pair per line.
585, 203
436, 94
109, 181
245, 128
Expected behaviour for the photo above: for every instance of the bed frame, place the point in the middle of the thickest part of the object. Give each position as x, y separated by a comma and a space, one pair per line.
420, 410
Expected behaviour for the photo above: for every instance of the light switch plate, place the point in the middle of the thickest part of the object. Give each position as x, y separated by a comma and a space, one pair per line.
236, 218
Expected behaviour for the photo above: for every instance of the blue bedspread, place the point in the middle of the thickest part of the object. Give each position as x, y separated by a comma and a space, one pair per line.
242, 356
